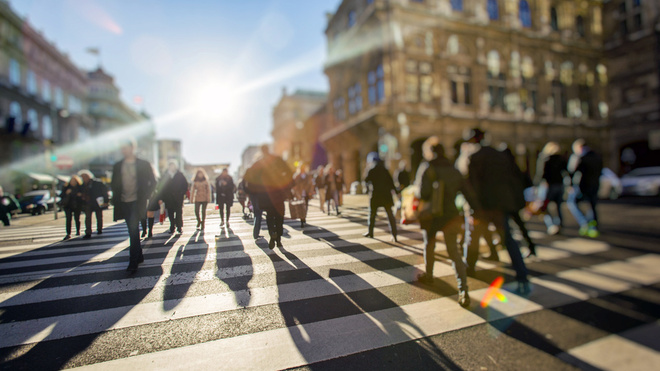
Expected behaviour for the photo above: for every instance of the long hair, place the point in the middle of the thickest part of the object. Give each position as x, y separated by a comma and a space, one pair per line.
77, 179
196, 178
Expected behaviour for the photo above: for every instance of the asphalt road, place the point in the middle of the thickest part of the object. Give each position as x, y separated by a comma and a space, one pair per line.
330, 299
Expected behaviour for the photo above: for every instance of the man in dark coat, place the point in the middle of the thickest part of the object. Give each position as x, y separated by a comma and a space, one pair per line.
8, 203
132, 184
92, 190
439, 182
172, 194
224, 188
585, 167
381, 191
270, 180
498, 187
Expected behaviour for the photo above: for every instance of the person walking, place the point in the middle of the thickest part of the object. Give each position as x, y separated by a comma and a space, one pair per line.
72, 203
402, 176
319, 184
95, 198
303, 189
550, 174
381, 191
254, 188
200, 195
270, 181
498, 190
332, 187
8, 203
172, 195
133, 181
439, 184
224, 188
585, 167
241, 197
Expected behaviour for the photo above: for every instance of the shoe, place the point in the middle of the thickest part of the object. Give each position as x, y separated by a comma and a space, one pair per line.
271, 243
584, 230
179, 231
199, 224
523, 288
132, 268
99, 232
553, 230
279, 243
463, 299
394, 239
302, 224
222, 224
227, 224
425, 279
144, 234
67, 237
170, 231
141, 260
77, 233
87, 237
369, 235
593, 232
593, 224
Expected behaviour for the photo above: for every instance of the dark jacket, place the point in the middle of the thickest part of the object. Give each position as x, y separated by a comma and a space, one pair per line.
269, 180
8, 203
587, 174
382, 185
146, 181
73, 200
174, 189
403, 178
497, 181
440, 169
224, 189
93, 190
552, 169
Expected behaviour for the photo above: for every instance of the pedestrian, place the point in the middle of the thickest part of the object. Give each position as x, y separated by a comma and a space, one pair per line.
439, 184
381, 191
332, 188
8, 203
241, 197
498, 190
319, 184
172, 194
269, 180
95, 198
224, 188
550, 174
585, 167
133, 181
303, 189
200, 195
72, 203
152, 206
402, 176
253, 188
339, 179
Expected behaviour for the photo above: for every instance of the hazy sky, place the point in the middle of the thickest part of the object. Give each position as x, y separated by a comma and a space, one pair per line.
209, 71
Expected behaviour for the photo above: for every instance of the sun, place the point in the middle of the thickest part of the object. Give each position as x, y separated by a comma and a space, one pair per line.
214, 100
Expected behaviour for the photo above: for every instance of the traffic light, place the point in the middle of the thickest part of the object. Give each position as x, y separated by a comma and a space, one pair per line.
53, 158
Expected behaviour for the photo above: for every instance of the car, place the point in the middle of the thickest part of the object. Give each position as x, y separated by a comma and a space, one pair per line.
36, 202
610, 185
643, 181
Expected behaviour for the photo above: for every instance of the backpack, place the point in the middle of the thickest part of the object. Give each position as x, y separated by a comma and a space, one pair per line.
416, 210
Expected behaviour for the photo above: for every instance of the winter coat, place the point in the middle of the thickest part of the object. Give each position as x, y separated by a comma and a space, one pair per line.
200, 191
174, 189
552, 169
269, 180
587, 174
146, 182
224, 189
497, 181
382, 185
303, 186
93, 190
72, 197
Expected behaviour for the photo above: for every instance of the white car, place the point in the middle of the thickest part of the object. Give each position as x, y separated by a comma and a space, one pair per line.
643, 181
610, 185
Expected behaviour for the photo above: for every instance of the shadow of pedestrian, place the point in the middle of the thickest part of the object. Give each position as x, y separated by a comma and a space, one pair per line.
234, 267
189, 260
47, 326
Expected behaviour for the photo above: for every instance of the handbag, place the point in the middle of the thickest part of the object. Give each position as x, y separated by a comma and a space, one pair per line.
297, 209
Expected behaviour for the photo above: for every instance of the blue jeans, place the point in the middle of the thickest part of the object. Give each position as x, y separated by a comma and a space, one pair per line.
555, 194
574, 197
130, 210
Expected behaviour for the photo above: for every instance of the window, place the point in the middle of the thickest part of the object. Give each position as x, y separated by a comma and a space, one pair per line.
461, 92
59, 98
14, 72
560, 98
340, 111
452, 45
579, 25
15, 112
355, 99
493, 11
351, 18
553, 19
376, 80
493, 62
497, 90
31, 82
457, 5
33, 119
45, 90
525, 14
47, 128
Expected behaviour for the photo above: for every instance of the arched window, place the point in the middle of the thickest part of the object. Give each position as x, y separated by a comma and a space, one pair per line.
457, 5
33, 119
494, 63
452, 45
15, 112
579, 25
493, 10
47, 128
553, 19
525, 14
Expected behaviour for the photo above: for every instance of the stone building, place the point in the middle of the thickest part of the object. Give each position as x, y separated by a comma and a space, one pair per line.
295, 141
632, 49
524, 71
42, 94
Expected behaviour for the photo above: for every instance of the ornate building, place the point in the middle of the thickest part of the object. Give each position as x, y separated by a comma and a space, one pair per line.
293, 137
632, 48
524, 71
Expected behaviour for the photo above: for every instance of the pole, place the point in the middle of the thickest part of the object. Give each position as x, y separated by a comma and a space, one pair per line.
54, 193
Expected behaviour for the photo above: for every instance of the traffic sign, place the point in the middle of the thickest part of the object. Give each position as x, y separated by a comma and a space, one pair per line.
63, 162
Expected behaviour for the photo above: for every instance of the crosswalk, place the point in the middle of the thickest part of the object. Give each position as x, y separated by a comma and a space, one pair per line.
220, 300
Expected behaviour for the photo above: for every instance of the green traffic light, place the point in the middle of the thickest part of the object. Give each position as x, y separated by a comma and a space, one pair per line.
53, 158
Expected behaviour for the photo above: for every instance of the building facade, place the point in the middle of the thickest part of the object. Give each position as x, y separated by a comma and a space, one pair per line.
526, 72
168, 150
632, 49
293, 140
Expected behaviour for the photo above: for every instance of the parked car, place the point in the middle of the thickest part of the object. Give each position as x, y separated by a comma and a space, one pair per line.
610, 185
643, 181
36, 202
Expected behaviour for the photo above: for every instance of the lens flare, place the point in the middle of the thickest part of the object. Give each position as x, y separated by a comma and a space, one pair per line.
494, 293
